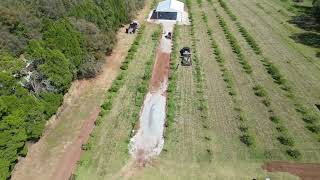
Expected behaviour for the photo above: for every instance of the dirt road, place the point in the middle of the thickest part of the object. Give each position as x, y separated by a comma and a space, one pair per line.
148, 141
60, 146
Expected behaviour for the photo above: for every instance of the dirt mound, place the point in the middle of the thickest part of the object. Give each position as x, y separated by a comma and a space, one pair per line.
306, 171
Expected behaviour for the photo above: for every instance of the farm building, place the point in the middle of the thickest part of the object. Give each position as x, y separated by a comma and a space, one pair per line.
169, 10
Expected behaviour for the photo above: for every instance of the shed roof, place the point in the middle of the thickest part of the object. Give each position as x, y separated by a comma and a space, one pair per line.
170, 6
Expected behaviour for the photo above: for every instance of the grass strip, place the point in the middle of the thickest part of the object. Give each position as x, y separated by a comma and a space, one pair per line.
246, 136
310, 118
283, 137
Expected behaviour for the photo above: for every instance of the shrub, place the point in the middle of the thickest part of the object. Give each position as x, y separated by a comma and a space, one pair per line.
281, 129
259, 91
107, 105
247, 140
314, 128
275, 119
86, 147
266, 102
309, 118
295, 154
90, 68
286, 140
243, 128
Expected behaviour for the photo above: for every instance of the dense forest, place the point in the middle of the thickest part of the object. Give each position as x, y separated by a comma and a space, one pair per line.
44, 46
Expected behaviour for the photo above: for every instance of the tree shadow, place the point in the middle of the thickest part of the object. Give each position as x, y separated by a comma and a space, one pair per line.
305, 18
308, 38
306, 22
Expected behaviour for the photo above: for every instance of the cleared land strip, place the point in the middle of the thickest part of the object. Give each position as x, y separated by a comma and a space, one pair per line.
287, 102
107, 150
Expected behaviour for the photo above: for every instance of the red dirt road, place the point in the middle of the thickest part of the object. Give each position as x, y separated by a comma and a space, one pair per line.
160, 71
73, 152
305, 171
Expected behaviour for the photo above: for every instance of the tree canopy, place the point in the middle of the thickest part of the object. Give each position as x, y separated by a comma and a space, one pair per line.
44, 46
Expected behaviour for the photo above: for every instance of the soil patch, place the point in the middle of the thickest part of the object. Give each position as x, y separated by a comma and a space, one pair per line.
306, 171
160, 71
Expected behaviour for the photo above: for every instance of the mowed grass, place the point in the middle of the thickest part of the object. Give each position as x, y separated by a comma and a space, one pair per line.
280, 103
108, 151
229, 159
203, 139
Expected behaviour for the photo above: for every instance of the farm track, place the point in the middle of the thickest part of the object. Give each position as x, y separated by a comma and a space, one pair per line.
282, 104
110, 143
277, 50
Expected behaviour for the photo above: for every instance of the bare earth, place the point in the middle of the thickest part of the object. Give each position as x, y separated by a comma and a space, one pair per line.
306, 171
55, 155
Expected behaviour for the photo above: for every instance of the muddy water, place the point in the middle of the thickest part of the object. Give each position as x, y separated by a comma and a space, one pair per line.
149, 141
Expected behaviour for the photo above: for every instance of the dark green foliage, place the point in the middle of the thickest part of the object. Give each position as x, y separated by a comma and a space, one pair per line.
53, 65
61, 35
259, 91
314, 128
247, 140
22, 118
86, 147
10, 64
281, 129
275, 119
310, 118
295, 154
286, 140
63, 40
51, 102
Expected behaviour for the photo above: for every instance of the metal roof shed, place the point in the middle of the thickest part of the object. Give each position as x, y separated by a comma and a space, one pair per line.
170, 6
169, 10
